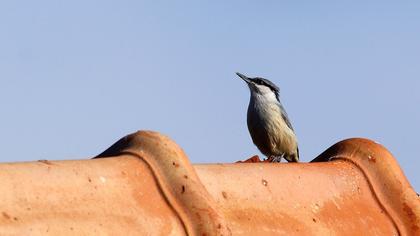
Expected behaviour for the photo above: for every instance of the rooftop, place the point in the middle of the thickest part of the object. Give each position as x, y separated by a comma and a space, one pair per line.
145, 185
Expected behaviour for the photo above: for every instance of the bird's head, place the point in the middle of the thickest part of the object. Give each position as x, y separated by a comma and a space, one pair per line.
260, 86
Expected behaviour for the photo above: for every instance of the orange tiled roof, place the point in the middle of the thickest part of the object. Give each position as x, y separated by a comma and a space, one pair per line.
147, 186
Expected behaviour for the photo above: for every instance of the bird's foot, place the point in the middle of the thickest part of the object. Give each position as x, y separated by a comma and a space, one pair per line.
274, 159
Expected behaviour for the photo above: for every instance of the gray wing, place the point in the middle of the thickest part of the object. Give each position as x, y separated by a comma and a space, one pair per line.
285, 117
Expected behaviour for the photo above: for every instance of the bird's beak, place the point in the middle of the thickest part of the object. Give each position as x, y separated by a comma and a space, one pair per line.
246, 79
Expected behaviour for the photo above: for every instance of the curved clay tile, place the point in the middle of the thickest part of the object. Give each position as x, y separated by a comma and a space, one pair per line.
145, 185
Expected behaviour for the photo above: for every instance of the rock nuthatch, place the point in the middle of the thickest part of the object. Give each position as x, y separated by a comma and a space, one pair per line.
268, 123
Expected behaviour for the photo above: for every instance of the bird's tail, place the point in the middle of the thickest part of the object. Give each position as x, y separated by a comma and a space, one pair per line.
294, 157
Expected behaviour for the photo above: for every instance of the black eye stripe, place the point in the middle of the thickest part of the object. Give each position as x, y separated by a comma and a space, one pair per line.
260, 82
267, 83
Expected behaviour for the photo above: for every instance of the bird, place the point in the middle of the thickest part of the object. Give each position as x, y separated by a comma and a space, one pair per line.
268, 122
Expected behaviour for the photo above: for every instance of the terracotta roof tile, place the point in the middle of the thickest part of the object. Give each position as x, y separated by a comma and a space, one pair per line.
147, 186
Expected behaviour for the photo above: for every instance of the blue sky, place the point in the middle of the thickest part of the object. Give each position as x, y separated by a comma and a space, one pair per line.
75, 76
